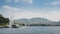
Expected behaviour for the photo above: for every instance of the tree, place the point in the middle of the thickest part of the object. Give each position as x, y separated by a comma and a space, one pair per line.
3, 20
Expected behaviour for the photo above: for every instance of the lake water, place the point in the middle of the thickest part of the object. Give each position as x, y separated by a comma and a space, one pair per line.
31, 30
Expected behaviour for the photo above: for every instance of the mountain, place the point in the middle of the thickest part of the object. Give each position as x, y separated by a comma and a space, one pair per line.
56, 23
24, 20
36, 20
40, 20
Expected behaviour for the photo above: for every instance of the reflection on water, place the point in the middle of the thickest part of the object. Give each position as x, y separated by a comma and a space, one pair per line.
31, 30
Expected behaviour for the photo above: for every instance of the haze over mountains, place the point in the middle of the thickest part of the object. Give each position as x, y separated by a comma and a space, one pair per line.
36, 20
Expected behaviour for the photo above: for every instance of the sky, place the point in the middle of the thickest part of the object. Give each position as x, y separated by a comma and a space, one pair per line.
17, 9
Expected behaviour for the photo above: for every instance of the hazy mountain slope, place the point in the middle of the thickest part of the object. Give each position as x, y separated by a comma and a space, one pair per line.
33, 20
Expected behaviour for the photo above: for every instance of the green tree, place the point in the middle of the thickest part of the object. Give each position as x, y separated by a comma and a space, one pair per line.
4, 21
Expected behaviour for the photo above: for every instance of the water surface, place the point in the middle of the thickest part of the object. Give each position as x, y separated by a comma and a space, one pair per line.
31, 30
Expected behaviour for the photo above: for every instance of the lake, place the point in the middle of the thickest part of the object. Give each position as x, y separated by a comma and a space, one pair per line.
31, 30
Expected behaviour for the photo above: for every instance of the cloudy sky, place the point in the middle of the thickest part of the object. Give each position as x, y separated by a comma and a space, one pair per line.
16, 9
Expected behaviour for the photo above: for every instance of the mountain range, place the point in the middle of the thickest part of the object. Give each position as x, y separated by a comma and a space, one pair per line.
36, 20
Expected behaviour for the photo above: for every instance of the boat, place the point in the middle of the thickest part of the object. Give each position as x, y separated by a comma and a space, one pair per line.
14, 26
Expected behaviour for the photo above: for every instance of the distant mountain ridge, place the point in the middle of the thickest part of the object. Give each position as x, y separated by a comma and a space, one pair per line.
34, 20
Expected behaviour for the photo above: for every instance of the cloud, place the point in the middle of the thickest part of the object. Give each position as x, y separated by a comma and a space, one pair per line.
22, 1
13, 12
53, 15
55, 2
9, 11
17, 13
